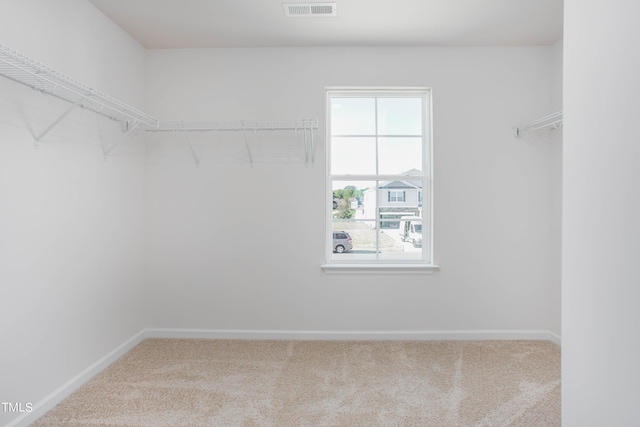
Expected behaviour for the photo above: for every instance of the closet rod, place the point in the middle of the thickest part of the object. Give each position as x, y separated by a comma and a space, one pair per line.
552, 121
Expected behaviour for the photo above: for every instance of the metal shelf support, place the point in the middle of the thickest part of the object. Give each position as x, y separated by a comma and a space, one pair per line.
246, 143
193, 151
59, 119
128, 129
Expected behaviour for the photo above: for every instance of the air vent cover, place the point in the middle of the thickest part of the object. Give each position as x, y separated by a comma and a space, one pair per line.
306, 10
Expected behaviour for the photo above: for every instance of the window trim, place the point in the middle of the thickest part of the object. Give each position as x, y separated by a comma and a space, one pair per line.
422, 266
379, 268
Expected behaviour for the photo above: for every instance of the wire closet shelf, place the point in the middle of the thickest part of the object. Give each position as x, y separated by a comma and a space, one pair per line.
235, 125
23, 69
303, 127
552, 121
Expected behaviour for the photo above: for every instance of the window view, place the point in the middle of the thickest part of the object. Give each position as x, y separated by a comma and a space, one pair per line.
378, 175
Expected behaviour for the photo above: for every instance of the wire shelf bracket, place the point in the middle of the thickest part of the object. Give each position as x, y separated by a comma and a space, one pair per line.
23, 69
193, 151
552, 121
127, 129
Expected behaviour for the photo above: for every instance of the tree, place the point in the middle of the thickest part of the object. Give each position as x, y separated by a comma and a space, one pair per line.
343, 197
344, 209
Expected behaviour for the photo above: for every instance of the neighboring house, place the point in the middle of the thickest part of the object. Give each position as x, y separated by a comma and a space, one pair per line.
395, 200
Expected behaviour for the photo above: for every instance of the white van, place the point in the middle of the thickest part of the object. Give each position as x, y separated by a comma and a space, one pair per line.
411, 230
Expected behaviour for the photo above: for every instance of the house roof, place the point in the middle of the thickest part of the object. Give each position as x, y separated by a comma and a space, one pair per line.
401, 185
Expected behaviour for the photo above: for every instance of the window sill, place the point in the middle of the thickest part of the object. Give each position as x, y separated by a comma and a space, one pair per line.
379, 268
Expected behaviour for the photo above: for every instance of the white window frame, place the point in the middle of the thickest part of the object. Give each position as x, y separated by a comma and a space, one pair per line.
425, 265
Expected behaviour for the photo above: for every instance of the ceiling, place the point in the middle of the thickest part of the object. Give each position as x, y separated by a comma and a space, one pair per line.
165, 24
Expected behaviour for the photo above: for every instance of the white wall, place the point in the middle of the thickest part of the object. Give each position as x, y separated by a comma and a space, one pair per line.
555, 251
71, 224
601, 230
235, 247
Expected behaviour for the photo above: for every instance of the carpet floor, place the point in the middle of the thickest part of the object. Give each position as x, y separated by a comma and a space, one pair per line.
193, 383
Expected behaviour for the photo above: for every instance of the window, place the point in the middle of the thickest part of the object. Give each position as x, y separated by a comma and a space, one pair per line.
396, 196
379, 178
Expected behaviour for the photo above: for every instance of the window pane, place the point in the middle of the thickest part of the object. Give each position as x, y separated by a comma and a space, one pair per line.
351, 156
399, 155
353, 116
400, 116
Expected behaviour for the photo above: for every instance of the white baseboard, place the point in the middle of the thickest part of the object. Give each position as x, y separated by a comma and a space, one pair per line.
352, 335
50, 401
554, 338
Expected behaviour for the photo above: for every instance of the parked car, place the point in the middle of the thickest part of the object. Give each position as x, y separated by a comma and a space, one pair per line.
342, 242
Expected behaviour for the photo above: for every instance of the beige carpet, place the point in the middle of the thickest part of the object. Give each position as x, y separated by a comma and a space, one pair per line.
191, 383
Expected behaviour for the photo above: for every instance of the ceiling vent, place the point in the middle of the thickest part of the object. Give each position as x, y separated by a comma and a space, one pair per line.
308, 10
